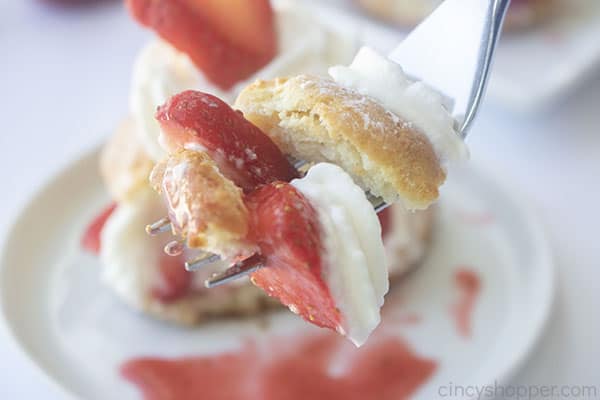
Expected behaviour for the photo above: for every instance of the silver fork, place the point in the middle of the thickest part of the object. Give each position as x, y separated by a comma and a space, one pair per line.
451, 51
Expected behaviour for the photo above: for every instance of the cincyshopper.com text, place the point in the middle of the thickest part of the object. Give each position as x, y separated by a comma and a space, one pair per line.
519, 392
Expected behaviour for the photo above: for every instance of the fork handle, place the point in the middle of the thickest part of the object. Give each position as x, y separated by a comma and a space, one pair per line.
495, 19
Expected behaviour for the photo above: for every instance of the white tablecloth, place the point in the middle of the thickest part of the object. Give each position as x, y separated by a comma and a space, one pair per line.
64, 80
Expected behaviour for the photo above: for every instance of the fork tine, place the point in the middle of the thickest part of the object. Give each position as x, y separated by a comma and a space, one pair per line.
201, 261
174, 248
237, 270
160, 226
380, 205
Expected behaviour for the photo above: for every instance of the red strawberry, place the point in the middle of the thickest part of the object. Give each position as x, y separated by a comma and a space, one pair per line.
285, 226
242, 151
175, 280
91, 237
228, 40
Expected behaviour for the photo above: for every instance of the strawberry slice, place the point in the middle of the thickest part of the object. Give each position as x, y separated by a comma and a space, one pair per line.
90, 240
228, 40
244, 154
286, 228
247, 24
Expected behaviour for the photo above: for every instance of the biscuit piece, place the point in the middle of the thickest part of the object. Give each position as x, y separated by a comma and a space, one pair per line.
204, 207
317, 120
124, 165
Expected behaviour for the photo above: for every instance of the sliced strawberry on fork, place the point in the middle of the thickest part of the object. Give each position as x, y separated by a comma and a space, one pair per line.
244, 154
285, 225
228, 40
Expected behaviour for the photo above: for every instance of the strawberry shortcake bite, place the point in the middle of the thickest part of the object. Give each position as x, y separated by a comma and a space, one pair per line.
318, 238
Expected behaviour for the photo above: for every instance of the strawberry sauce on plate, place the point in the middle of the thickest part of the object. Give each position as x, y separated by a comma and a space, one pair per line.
318, 367
469, 286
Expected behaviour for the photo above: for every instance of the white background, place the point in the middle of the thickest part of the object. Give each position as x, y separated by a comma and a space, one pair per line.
64, 80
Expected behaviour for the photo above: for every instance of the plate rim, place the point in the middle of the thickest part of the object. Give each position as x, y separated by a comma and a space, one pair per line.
536, 225
6, 325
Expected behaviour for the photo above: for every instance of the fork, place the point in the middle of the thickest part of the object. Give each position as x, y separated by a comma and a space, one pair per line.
461, 36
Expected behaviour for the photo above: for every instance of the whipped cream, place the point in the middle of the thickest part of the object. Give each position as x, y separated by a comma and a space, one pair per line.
159, 72
305, 46
373, 75
354, 258
131, 258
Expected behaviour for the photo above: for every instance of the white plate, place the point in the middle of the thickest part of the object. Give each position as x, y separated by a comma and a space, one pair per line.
78, 333
532, 67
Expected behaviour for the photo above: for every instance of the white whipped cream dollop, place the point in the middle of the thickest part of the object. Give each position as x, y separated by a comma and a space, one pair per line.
354, 257
305, 46
131, 259
159, 72
129, 256
373, 75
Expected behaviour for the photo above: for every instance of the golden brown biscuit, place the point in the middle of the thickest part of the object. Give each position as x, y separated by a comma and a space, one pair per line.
204, 206
124, 165
315, 119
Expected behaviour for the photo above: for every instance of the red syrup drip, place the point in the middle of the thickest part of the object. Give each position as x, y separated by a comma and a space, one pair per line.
469, 286
288, 369
90, 240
